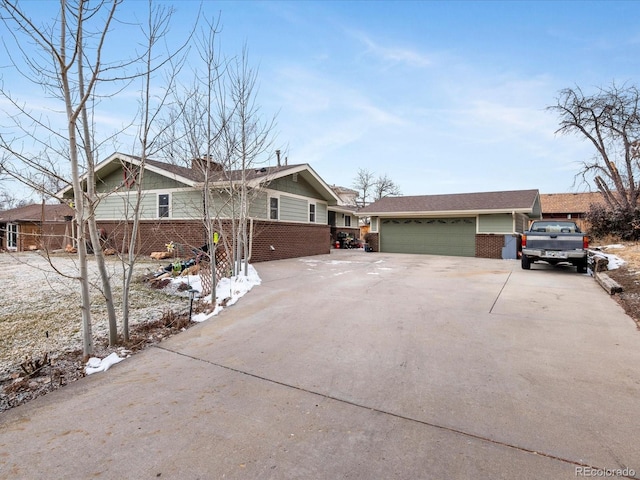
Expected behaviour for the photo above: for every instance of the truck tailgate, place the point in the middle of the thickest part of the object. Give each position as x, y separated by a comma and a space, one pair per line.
553, 241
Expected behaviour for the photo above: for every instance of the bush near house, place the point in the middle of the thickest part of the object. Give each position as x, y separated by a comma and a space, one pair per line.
604, 222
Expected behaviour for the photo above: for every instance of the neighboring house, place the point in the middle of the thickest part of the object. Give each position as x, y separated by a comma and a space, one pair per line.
343, 217
289, 206
345, 195
485, 224
571, 206
35, 227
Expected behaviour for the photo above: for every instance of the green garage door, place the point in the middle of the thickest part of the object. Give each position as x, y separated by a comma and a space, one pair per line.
435, 236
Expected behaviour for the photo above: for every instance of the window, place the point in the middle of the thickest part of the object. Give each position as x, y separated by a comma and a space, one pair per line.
347, 220
273, 208
163, 205
312, 212
12, 236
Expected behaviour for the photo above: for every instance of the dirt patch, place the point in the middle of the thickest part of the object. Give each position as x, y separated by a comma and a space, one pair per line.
628, 276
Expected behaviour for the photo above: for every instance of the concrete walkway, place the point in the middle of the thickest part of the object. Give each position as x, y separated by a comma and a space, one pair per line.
361, 365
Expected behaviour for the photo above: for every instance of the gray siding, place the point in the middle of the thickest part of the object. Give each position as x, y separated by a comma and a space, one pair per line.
187, 204
150, 181
522, 222
300, 187
293, 209
183, 205
223, 207
321, 213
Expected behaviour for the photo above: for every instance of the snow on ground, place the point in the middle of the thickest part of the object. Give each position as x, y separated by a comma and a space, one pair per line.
615, 261
228, 292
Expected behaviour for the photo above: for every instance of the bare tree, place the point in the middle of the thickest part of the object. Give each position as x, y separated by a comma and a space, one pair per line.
69, 66
385, 187
193, 132
251, 139
364, 183
610, 121
9, 201
151, 106
74, 40
372, 188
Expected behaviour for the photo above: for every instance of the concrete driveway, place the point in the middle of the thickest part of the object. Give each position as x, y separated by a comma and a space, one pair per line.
361, 365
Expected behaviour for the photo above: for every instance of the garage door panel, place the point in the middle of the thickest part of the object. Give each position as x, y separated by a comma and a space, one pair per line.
441, 236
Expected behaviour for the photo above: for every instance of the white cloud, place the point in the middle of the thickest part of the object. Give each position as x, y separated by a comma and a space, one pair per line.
395, 55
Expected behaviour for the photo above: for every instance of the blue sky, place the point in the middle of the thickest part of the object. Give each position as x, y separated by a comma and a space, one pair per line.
442, 96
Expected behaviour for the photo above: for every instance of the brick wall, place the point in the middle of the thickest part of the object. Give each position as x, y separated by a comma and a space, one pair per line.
373, 239
289, 240
153, 236
489, 246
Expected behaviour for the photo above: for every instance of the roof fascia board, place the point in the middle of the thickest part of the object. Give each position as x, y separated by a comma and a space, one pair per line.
441, 213
305, 167
134, 161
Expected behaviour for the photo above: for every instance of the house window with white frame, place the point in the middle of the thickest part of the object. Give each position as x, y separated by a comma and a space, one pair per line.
312, 212
273, 208
347, 220
12, 236
163, 205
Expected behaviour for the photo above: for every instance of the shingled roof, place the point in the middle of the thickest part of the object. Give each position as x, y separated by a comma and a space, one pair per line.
523, 201
569, 202
34, 213
197, 174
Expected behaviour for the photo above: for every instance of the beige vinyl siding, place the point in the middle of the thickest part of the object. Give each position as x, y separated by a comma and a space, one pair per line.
294, 209
497, 223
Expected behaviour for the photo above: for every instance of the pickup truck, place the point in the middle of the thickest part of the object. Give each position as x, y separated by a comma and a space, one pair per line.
555, 242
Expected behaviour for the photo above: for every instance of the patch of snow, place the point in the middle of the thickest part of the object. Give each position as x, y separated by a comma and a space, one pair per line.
228, 292
95, 365
614, 261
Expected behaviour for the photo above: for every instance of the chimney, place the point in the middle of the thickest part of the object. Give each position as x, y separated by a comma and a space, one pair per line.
201, 164
278, 156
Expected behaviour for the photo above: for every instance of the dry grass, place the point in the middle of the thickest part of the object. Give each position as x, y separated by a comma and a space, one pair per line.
40, 322
628, 276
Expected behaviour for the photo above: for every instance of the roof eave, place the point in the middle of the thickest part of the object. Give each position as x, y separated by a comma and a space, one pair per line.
445, 213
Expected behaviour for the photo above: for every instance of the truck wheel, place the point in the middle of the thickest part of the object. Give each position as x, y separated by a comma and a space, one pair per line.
526, 263
582, 267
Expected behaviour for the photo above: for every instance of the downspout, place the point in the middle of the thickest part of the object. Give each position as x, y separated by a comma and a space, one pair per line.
250, 245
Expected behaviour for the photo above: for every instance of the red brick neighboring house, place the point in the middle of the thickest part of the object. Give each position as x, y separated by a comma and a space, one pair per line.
35, 227
569, 206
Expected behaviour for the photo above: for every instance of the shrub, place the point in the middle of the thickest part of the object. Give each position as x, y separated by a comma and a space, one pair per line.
605, 221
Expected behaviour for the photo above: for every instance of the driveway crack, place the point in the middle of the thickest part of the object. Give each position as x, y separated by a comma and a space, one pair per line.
444, 428
500, 293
